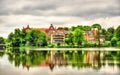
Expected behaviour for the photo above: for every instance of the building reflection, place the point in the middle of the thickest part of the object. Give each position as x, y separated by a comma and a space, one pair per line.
92, 57
55, 58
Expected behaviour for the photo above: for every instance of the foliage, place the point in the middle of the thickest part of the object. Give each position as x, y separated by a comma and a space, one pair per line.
63, 28
86, 28
58, 44
78, 36
107, 44
118, 44
15, 38
69, 39
36, 38
96, 26
90, 45
114, 41
51, 45
22, 38
2, 40
118, 33
110, 33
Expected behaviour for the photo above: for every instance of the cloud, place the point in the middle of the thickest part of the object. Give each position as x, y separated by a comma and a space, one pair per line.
41, 13
93, 8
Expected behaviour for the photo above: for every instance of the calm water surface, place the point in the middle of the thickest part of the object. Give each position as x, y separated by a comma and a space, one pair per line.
56, 62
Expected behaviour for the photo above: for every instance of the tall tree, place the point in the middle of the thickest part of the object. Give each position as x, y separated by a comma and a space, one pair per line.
96, 26
23, 36
37, 38
2, 40
114, 41
78, 36
86, 28
69, 39
110, 33
117, 33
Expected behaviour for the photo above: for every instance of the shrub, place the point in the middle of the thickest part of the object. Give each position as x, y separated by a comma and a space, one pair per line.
51, 45
106, 44
118, 44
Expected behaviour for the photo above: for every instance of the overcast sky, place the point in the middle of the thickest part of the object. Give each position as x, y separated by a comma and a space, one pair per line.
42, 13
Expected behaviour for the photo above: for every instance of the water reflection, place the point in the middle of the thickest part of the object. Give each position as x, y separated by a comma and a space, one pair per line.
80, 59
1, 54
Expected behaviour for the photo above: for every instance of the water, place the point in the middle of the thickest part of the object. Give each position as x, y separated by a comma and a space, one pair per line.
59, 62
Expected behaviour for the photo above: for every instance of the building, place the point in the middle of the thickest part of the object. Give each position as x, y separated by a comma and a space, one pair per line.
92, 36
55, 35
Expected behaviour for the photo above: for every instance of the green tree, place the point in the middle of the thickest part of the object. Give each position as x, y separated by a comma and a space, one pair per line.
78, 36
66, 28
117, 33
114, 41
96, 26
16, 38
66, 40
110, 33
104, 33
23, 36
37, 38
60, 28
73, 28
2, 40
86, 28
70, 39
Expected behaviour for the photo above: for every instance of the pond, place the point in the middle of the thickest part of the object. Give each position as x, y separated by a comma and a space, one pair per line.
59, 62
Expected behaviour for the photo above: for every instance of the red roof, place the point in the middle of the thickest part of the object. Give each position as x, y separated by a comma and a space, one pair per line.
45, 29
60, 31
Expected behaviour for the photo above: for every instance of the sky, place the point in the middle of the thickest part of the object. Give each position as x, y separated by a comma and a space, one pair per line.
42, 13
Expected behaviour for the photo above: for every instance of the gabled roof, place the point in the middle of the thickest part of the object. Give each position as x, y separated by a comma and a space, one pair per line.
27, 28
46, 30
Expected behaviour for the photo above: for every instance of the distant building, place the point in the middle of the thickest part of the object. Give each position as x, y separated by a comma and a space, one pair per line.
92, 36
55, 35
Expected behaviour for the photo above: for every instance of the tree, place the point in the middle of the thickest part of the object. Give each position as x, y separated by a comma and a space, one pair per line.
117, 33
14, 38
104, 33
96, 26
114, 41
66, 40
63, 28
2, 40
69, 40
66, 28
17, 37
87, 28
110, 33
36, 38
78, 36
60, 28
23, 36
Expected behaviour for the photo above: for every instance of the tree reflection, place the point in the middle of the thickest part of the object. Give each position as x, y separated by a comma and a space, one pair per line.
94, 59
1, 54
